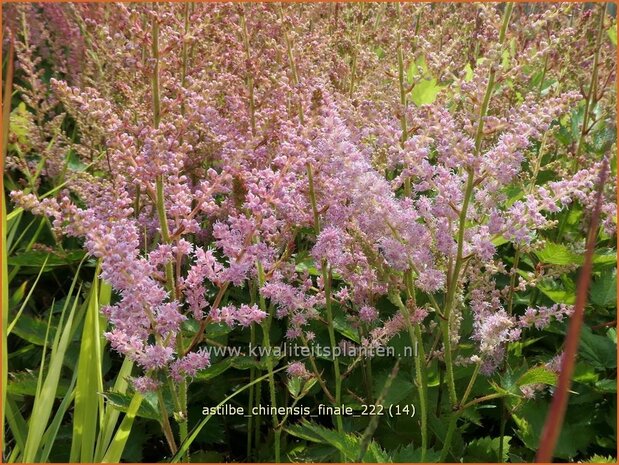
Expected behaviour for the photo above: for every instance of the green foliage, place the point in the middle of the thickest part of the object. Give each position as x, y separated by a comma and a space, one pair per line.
486, 449
346, 443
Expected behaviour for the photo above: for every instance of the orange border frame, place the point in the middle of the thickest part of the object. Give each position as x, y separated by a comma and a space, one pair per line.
615, 2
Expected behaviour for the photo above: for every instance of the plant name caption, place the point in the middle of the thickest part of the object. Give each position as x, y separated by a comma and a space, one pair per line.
362, 410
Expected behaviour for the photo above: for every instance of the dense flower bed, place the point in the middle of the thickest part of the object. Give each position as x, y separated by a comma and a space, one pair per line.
346, 175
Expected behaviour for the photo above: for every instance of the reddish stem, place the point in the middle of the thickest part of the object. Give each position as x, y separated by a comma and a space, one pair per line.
556, 415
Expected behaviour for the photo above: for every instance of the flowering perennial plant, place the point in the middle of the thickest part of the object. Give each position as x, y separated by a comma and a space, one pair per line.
372, 174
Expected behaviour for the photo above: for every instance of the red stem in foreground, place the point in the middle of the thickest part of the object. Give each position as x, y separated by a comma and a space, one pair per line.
556, 415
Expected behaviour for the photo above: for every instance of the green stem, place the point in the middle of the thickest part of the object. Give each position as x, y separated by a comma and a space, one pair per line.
266, 337
353, 66
451, 427
471, 383
326, 279
591, 97
180, 399
453, 281
421, 375
291, 60
165, 423
249, 78
403, 100
252, 377
319, 378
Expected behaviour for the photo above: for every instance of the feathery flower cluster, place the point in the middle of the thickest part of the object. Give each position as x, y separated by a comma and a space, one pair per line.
304, 169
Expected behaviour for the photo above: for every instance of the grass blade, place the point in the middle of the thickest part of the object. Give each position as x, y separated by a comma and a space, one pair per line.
44, 400
49, 437
114, 452
21, 309
16, 422
111, 415
88, 402
6, 113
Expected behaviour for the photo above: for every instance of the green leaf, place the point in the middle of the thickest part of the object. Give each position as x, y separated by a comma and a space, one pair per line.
607, 385
148, 407
33, 330
44, 400
557, 293
88, 403
558, 254
348, 444
600, 458
114, 453
49, 438
110, 418
38, 258
604, 289
468, 73
612, 34
537, 375
343, 327
410, 454
575, 435
487, 450
214, 370
599, 351
425, 92
415, 69
23, 306
294, 386
25, 384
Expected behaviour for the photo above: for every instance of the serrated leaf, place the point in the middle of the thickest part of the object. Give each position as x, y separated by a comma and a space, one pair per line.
214, 370
558, 254
486, 449
343, 327
148, 407
37, 258
574, 436
25, 384
411, 454
607, 385
556, 293
537, 375
348, 444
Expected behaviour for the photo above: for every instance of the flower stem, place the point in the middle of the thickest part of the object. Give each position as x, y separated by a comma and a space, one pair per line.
591, 97
420, 367
180, 399
326, 279
453, 281
292, 62
165, 423
249, 78
266, 338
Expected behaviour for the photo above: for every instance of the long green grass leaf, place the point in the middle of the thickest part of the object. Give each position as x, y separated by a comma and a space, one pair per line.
114, 452
6, 113
111, 415
44, 400
21, 309
49, 438
88, 401
17, 423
